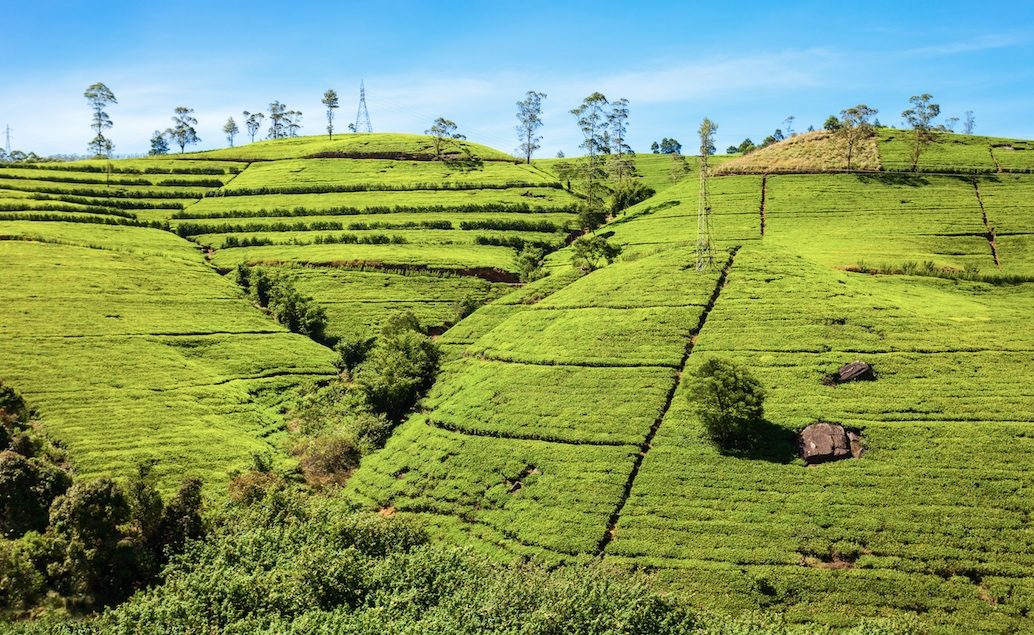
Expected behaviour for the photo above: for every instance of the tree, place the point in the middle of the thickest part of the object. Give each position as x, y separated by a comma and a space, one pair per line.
93, 559
622, 162
293, 122
159, 143
182, 130
789, 125
100, 97
745, 146
529, 263
655, 148
441, 130
253, 122
398, 370
27, 488
968, 123
231, 130
950, 123
670, 146
628, 193
920, 117
707, 131
832, 124
277, 120
679, 168
591, 252
729, 402
330, 100
529, 120
855, 126
592, 120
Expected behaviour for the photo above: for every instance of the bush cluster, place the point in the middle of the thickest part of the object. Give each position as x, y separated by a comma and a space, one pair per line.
275, 293
90, 543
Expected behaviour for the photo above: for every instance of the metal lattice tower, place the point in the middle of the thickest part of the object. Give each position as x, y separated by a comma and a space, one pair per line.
705, 238
362, 116
7, 135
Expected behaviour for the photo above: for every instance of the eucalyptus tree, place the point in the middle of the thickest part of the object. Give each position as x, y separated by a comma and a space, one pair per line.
592, 118
183, 131
529, 120
100, 97
277, 120
330, 100
920, 117
855, 126
253, 122
231, 130
159, 143
441, 130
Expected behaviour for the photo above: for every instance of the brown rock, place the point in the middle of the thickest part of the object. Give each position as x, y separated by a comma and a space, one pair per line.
855, 371
821, 442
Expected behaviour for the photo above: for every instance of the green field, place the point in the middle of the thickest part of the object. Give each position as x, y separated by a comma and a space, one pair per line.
559, 428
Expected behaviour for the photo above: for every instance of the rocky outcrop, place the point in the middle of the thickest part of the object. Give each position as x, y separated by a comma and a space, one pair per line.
821, 442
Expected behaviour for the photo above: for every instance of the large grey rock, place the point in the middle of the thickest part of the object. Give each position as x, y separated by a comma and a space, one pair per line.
821, 442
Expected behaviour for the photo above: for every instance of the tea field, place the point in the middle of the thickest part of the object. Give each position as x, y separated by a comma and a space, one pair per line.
560, 428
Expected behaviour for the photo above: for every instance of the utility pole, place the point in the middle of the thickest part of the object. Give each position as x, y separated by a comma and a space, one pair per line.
362, 117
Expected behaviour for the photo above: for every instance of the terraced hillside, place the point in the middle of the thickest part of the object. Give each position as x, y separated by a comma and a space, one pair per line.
129, 344
115, 262
561, 428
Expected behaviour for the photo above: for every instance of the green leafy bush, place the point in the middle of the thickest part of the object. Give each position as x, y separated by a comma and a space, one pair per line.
729, 401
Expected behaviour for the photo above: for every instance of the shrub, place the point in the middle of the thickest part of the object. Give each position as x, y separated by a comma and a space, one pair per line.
21, 584
591, 252
629, 193
529, 264
398, 370
401, 322
328, 458
28, 486
729, 401
353, 351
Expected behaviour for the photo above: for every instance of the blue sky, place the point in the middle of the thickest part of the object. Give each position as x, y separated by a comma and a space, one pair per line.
747, 65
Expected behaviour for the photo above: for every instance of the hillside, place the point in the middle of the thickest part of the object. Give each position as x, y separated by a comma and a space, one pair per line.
560, 428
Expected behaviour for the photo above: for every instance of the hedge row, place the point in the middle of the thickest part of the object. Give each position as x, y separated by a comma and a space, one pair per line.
374, 187
279, 212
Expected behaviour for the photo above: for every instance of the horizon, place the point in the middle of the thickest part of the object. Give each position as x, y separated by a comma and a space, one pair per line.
813, 67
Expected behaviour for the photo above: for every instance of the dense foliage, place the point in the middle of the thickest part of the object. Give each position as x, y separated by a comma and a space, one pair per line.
729, 400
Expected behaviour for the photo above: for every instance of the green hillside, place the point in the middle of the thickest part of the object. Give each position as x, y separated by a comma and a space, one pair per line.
560, 428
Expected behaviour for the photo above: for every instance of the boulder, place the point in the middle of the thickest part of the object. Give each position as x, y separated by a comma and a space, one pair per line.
821, 442
855, 371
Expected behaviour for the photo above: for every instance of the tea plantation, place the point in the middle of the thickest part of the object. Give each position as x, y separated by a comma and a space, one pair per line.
560, 428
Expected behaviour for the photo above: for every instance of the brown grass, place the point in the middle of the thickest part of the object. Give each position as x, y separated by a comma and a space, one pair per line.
818, 151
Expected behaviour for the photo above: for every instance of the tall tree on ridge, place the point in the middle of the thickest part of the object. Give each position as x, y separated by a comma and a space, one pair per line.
253, 122
293, 122
277, 120
441, 130
182, 130
968, 123
622, 162
592, 120
855, 125
920, 116
100, 97
231, 130
529, 118
330, 100
159, 143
